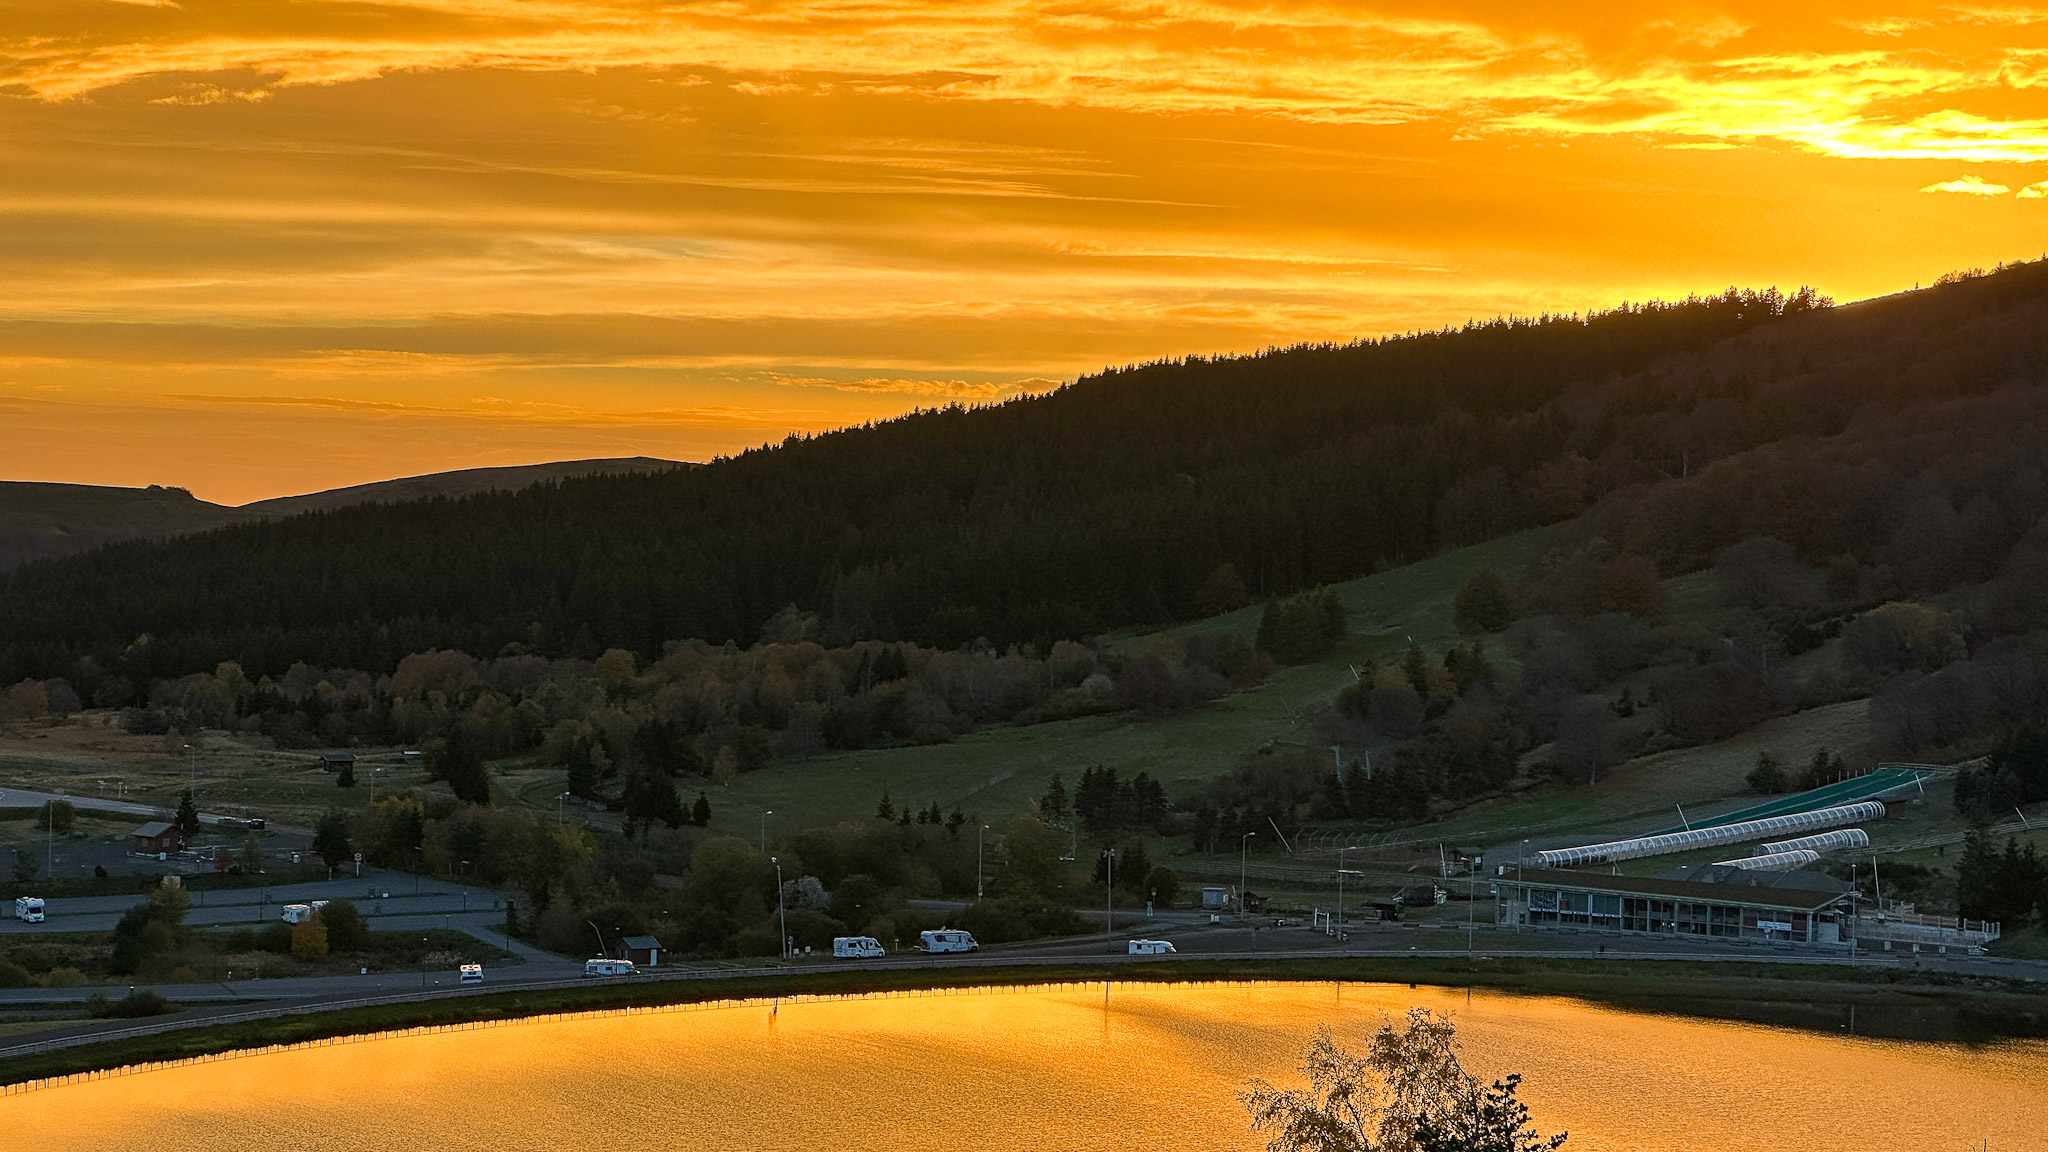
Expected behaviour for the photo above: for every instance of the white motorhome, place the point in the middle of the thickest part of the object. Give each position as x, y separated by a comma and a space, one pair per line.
946, 940
472, 973
28, 909
603, 967
1151, 947
857, 947
300, 913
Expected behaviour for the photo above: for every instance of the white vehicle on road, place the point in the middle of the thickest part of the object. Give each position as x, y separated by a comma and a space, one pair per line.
1151, 947
300, 913
603, 967
28, 909
946, 940
857, 948
472, 973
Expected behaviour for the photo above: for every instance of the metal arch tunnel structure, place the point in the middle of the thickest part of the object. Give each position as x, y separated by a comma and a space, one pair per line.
1835, 841
1772, 861
1736, 833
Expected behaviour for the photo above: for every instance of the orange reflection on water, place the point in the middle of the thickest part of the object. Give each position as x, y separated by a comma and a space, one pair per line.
1054, 1069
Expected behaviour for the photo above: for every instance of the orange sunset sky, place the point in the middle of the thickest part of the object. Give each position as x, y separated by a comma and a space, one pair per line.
255, 247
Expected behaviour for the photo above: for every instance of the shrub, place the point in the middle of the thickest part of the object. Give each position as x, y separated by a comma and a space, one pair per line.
346, 930
1768, 777
63, 978
141, 1002
309, 939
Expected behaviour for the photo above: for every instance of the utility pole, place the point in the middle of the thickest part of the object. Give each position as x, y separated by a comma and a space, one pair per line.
1241, 858
764, 830
1109, 893
1340, 891
781, 916
978, 886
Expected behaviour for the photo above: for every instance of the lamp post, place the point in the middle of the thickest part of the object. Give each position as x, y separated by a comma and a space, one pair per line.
1340, 891
781, 914
559, 797
1109, 892
1242, 843
979, 888
764, 830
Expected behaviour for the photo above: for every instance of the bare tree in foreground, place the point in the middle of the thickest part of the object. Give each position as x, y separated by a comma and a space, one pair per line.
1406, 1093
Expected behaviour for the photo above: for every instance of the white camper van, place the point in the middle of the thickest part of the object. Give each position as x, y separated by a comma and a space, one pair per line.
856, 947
28, 909
300, 913
1151, 947
603, 967
472, 973
946, 940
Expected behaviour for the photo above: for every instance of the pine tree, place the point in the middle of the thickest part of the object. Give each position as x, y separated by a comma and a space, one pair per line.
1415, 666
187, 819
330, 839
700, 812
1053, 805
885, 810
347, 778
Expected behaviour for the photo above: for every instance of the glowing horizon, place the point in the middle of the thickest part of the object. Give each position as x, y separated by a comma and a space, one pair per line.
259, 249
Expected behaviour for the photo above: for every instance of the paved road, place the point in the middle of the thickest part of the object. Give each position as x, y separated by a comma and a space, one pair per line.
1191, 934
1215, 943
29, 798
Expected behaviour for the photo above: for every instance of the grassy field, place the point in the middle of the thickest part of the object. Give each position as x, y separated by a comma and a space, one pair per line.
1880, 1002
997, 771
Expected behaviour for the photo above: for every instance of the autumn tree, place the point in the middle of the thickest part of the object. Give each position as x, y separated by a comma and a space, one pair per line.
1407, 1087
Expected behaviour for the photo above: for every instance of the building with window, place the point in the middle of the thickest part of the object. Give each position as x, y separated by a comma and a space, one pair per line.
1712, 901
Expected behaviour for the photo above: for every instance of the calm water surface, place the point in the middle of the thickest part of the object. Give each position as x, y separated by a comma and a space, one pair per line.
1145, 1067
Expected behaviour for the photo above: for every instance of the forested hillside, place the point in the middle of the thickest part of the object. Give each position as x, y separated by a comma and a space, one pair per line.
1118, 500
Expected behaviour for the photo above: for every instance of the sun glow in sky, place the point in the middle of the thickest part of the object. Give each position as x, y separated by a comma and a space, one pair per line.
256, 247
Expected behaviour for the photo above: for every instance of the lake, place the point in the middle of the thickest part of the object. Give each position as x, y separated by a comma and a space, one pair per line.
1074, 1068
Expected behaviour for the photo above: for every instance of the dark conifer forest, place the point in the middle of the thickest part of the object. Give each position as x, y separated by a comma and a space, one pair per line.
1121, 500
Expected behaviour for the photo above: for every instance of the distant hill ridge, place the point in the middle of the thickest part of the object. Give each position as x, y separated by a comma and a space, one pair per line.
1155, 493
40, 520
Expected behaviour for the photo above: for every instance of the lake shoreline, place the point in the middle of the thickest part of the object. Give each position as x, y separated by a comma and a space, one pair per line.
1873, 1002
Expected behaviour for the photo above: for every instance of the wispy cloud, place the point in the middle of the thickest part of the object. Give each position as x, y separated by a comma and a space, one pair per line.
1968, 186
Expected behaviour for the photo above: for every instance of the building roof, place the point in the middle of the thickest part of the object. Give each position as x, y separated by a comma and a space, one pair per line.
1762, 892
642, 943
153, 829
1797, 878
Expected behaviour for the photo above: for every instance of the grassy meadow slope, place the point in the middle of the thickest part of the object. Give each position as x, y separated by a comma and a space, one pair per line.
461, 482
41, 520
997, 771
46, 520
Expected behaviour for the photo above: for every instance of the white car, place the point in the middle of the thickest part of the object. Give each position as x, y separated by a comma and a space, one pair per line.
1151, 947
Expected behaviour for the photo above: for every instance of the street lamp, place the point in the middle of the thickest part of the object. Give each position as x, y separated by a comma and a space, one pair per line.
1242, 842
558, 806
781, 915
1109, 893
764, 830
978, 887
